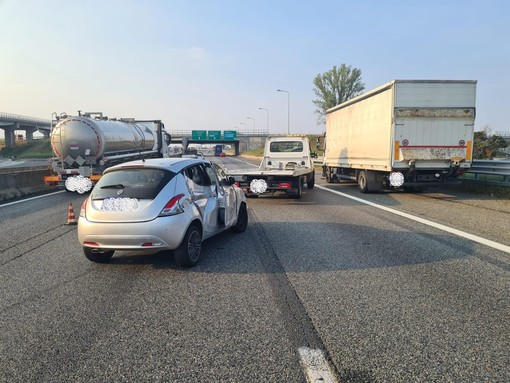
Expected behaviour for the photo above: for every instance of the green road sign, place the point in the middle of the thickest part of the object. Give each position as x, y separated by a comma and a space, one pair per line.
230, 135
214, 135
198, 134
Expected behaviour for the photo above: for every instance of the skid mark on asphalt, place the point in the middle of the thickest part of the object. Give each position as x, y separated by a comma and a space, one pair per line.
301, 330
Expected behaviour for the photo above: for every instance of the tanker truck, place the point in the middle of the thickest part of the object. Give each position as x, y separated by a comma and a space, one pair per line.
405, 134
86, 144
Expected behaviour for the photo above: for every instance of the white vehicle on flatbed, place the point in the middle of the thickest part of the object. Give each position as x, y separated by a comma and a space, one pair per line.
286, 167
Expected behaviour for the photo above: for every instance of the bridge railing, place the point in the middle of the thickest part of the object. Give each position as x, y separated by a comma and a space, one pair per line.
18, 118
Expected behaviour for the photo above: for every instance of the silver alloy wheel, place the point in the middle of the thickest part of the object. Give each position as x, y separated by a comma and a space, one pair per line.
194, 246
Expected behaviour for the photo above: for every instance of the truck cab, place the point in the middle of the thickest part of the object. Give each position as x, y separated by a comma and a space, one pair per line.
287, 153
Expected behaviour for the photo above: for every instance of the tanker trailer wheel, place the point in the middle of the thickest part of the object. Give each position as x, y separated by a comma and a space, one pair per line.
311, 181
98, 255
362, 182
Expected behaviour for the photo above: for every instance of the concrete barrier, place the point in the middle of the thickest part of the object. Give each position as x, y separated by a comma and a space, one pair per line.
23, 181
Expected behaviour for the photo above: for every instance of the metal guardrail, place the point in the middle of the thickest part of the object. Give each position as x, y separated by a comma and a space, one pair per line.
491, 167
499, 168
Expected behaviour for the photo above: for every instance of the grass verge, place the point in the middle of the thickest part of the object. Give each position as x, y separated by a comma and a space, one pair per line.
40, 148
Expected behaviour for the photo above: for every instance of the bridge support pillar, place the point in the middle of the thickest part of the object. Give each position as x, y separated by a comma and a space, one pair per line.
10, 139
30, 132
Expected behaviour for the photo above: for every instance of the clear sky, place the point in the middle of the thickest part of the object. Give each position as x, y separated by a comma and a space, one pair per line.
209, 65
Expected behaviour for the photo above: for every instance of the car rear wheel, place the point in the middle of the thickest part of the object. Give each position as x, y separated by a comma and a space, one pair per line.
188, 252
242, 220
98, 255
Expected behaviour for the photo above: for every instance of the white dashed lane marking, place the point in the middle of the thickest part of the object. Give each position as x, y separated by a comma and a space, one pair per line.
315, 366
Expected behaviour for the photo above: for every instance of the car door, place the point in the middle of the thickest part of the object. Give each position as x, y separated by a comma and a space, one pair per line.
226, 195
204, 196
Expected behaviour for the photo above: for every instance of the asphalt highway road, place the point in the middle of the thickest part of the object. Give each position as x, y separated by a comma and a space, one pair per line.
388, 287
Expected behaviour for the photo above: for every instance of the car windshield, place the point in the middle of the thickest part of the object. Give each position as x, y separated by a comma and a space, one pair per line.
286, 146
140, 183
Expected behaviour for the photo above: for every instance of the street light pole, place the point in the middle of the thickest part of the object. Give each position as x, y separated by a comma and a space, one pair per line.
267, 118
288, 108
251, 118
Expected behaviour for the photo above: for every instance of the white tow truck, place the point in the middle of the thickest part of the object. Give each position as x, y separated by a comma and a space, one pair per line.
286, 167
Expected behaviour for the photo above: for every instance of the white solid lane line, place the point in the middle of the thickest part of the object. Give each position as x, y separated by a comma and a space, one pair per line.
315, 365
471, 237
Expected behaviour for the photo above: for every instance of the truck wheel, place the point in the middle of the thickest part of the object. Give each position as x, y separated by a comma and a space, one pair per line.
98, 255
362, 182
311, 181
329, 180
242, 220
188, 252
299, 191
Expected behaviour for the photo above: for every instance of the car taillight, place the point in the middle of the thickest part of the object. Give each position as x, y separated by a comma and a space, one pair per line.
83, 210
172, 207
152, 244
285, 185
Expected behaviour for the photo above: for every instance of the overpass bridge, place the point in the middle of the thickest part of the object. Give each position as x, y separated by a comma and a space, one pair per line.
246, 140
12, 122
504, 135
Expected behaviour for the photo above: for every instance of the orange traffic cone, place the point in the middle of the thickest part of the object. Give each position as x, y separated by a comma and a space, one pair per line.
71, 219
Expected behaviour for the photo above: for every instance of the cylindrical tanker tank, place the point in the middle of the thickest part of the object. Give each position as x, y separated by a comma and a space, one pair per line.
82, 138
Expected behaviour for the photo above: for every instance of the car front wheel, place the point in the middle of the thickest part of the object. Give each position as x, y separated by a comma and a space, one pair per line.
242, 220
188, 252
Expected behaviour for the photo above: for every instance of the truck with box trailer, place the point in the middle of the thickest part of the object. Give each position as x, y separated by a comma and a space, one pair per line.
405, 134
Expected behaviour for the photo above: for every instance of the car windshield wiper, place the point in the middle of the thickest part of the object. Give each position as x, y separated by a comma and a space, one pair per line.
113, 186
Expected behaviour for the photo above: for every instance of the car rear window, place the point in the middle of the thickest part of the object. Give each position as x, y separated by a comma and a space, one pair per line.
286, 146
143, 183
